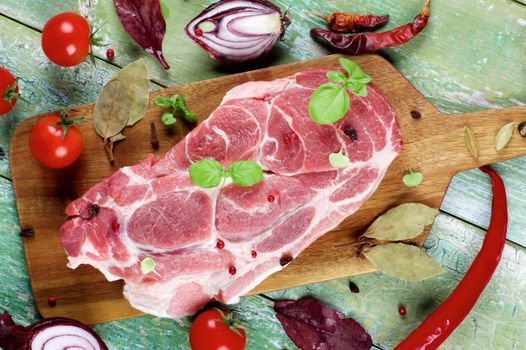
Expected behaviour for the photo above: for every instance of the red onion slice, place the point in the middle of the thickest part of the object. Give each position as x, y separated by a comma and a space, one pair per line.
234, 31
64, 337
56, 333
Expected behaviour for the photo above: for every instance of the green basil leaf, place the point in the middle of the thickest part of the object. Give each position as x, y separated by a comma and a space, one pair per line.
413, 179
162, 102
360, 89
178, 101
356, 74
147, 265
168, 118
328, 104
339, 160
188, 115
336, 77
245, 173
206, 173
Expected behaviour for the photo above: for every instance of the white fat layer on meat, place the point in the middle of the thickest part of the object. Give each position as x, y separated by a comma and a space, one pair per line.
155, 298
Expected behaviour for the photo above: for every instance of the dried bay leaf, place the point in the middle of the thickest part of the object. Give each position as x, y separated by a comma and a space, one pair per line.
110, 114
135, 79
403, 261
504, 136
405, 221
471, 143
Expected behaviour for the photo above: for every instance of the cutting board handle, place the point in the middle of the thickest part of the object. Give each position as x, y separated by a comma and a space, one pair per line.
443, 144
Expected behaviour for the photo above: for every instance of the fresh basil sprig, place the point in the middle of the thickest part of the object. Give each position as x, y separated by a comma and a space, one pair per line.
177, 106
208, 173
330, 102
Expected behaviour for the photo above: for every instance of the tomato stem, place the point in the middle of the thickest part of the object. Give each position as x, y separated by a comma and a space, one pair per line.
95, 41
234, 324
11, 93
65, 124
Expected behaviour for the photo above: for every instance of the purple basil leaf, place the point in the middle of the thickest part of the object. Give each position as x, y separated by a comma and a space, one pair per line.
349, 332
310, 311
144, 22
313, 326
302, 334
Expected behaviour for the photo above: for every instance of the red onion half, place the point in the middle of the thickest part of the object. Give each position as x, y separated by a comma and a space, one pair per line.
234, 31
54, 333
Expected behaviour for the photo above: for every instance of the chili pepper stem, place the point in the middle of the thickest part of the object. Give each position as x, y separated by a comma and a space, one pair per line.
426, 10
325, 18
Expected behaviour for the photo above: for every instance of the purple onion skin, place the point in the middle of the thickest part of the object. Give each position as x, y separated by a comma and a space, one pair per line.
222, 55
15, 337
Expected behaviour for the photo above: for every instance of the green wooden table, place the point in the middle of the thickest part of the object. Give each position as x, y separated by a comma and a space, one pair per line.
471, 57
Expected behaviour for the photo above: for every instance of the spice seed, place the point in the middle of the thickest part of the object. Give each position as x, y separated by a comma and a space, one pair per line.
353, 287
522, 129
254, 254
220, 244
416, 115
27, 232
285, 260
52, 301
351, 133
93, 210
402, 310
232, 270
154, 140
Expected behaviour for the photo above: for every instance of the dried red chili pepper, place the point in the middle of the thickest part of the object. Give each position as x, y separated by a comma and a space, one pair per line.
352, 23
361, 43
443, 321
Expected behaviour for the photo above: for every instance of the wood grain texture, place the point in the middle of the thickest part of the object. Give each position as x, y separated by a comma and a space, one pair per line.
42, 194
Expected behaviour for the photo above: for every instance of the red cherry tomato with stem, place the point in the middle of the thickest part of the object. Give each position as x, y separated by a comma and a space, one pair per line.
216, 330
55, 141
8, 91
67, 40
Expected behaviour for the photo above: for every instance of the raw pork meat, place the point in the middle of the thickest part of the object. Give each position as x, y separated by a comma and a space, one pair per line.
220, 243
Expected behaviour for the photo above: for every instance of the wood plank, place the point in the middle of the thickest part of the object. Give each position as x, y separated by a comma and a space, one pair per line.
42, 195
496, 322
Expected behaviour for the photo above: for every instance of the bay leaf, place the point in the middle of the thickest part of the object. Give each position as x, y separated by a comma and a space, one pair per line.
135, 79
403, 261
405, 221
110, 114
471, 143
504, 136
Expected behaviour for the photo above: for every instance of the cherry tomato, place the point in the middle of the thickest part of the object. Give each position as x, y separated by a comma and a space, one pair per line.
66, 39
216, 330
48, 147
8, 91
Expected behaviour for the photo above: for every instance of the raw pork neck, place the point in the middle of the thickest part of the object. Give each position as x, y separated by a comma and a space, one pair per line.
220, 243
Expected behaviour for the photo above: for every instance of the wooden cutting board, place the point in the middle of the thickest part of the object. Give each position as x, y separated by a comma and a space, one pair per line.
433, 145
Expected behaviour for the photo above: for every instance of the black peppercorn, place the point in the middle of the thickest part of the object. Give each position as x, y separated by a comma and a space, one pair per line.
351, 133
93, 210
416, 115
353, 287
27, 232
285, 260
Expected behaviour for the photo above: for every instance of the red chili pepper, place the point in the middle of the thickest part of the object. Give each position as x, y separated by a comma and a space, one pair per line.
443, 321
352, 23
361, 43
